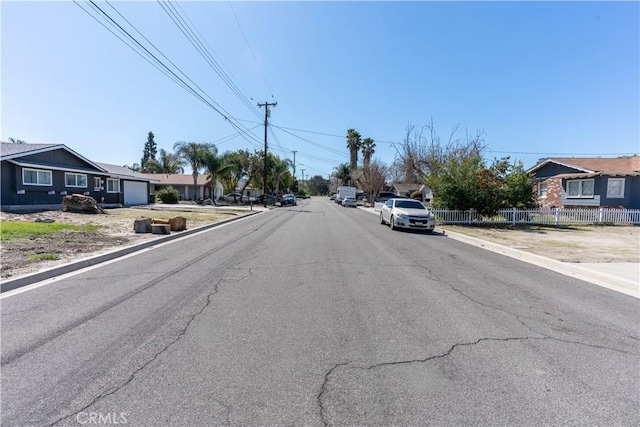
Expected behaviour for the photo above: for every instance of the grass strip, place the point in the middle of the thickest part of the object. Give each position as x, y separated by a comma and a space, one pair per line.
15, 230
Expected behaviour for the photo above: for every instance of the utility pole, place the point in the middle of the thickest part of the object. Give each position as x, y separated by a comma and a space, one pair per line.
264, 172
302, 170
294, 164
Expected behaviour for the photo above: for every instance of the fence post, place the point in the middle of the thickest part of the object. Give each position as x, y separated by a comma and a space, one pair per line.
513, 218
600, 215
470, 216
557, 215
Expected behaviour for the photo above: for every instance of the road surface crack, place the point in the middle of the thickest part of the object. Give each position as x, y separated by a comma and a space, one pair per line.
133, 375
323, 387
448, 352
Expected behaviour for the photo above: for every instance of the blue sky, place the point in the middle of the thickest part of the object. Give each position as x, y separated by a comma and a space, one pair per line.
541, 79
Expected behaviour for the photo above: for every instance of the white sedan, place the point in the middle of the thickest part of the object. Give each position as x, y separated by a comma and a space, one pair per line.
407, 213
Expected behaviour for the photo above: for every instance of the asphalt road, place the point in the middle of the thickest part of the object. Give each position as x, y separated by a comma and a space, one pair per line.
318, 315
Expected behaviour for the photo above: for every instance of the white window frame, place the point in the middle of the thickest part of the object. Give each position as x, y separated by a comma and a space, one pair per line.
581, 184
97, 183
38, 172
76, 175
610, 195
542, 189
111, 180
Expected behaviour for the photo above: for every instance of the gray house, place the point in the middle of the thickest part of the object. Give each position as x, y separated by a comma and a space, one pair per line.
588, 182
38, 176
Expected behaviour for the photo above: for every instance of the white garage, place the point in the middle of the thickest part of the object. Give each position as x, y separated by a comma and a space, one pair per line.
135, 193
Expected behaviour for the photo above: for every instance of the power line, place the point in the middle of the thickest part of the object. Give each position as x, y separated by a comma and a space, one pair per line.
187, 30
161, 66
250, 50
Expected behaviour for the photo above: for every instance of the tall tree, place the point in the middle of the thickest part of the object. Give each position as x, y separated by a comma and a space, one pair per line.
368, 148
150, 150
166, 163
193, 154
354, 142
281, 173
374, 178
318, 186
342, 173
216, 168
16, 141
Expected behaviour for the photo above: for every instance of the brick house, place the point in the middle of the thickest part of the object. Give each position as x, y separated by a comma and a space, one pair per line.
588, 182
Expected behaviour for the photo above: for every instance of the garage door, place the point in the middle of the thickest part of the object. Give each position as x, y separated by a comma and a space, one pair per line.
135, 193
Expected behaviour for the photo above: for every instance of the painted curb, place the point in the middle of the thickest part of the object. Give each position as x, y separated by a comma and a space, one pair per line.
30, 279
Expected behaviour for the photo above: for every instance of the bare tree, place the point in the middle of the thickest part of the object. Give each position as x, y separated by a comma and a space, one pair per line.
374, 178
422, 151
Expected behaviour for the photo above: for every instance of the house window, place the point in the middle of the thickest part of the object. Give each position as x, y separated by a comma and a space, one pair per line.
113, 185
36, 177
615, 188
97, 183
580, 188
542, 189
75, 180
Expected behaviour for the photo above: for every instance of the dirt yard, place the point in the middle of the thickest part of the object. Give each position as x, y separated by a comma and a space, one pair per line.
570, 244
115, 229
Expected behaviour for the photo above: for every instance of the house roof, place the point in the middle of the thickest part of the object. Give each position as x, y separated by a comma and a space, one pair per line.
595, 165
175, 178
407, 188
9, 151
125, 173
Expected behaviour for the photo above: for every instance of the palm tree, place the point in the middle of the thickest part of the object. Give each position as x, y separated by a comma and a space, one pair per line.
193, 153
216, 167
166, 163
280, 171
342, 173
354, 142
368, 148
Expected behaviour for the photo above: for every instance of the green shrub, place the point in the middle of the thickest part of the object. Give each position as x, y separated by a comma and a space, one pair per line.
168, 195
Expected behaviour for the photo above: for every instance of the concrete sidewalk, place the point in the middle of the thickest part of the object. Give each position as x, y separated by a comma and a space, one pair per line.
620, 277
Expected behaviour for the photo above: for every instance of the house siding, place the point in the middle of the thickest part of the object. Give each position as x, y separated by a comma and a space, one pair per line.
39, 195
56, 158
632, 185
631, 199
552, 169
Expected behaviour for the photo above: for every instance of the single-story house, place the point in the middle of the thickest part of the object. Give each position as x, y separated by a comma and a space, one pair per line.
407, 189
588, 182
184, 184
125, 186
38, 176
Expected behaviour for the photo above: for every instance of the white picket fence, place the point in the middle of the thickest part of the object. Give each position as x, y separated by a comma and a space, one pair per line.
557, 216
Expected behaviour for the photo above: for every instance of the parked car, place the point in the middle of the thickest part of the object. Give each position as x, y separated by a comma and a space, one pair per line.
302, 196
349, 201
332, 197
407, 213
288, 199
271, 200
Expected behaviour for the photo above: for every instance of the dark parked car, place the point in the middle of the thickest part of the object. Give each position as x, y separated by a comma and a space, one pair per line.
271, 200
288, 199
